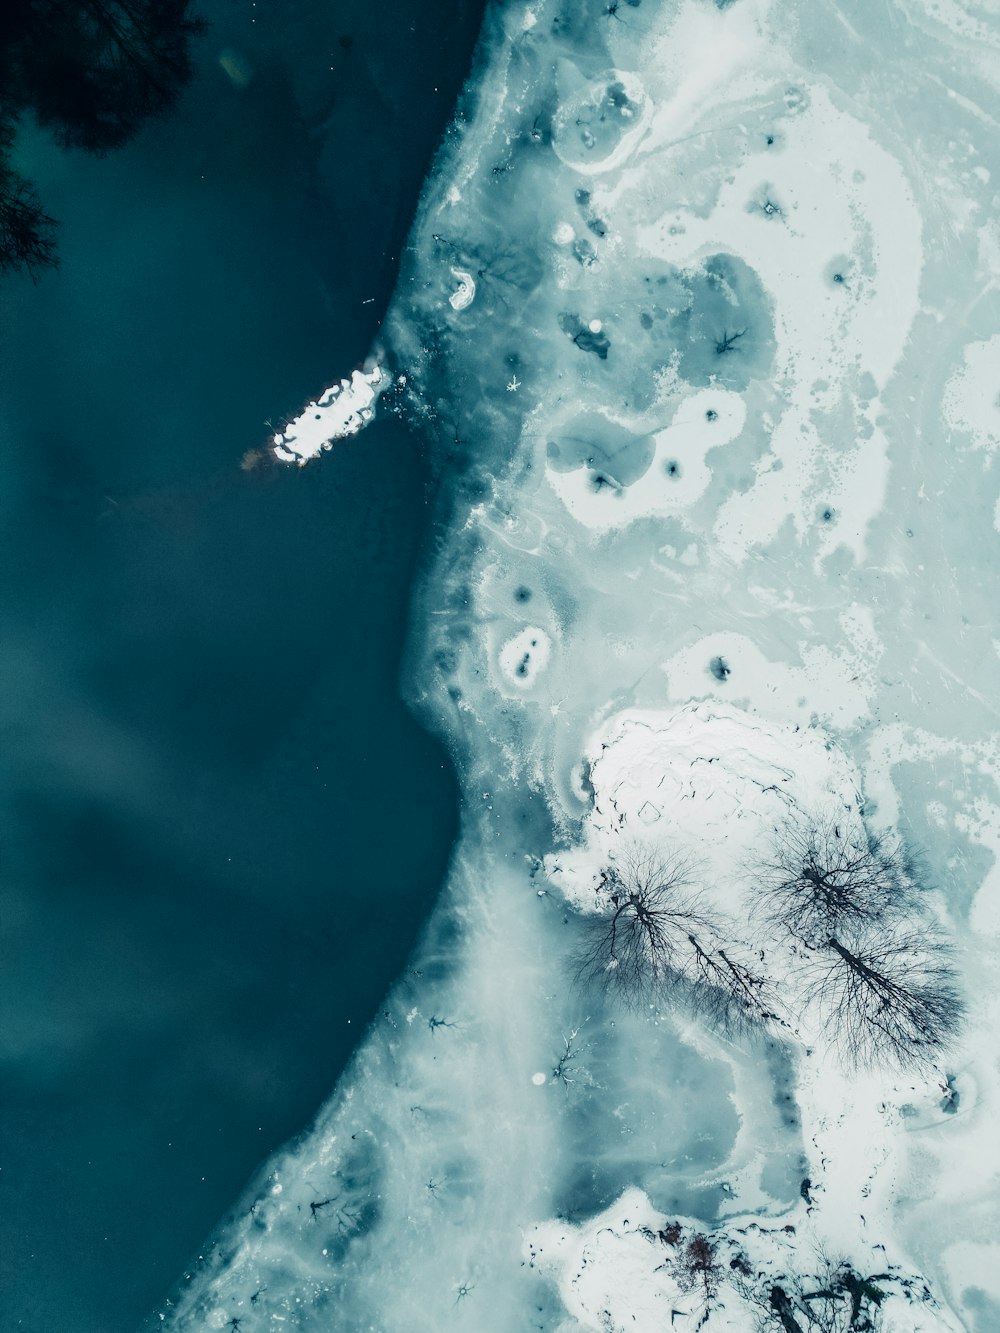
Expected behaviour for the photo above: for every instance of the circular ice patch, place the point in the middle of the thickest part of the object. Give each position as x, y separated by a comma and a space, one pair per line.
596, 127
607, 477
465, 294
971, 401
525, 656
720, 779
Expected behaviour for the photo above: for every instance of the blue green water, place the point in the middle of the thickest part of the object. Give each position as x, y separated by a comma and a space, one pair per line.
221, 828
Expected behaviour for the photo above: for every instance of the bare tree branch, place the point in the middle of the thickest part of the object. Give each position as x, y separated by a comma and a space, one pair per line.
641, 947
827, 873
27, 233
94, 70
659, 941
886, 992
729, 992
697, 1271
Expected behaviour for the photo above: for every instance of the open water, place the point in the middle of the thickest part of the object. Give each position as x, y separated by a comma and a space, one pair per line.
221, 828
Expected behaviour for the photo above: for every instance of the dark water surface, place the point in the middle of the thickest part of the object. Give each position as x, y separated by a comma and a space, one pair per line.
220, 827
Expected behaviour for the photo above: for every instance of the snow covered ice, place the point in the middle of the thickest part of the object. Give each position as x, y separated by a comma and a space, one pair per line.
343, 410
701, 311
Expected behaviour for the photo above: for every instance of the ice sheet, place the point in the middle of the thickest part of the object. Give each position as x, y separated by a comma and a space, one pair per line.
700, 309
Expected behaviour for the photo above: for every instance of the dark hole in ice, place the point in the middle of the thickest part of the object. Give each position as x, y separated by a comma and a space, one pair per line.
541, 129
827, 514
673, 468
582, 197
601, 482
949, 1103
586, 338
522, 594
711, 414
584, 252
719, 668
597, 226
646, 320
838, 277
522, 666
770, 140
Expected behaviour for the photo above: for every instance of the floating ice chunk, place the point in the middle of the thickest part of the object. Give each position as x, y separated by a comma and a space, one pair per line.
237, 67
344, 409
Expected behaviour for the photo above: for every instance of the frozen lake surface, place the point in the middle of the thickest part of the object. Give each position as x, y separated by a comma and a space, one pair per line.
700, 309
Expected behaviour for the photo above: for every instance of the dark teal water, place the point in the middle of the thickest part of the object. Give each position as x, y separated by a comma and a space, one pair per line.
221, 829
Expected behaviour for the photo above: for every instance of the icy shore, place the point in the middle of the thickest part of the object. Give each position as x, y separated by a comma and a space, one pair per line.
700, 308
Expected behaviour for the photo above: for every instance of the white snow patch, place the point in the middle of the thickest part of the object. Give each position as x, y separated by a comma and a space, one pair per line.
971, 401
709, 783
524, 657
465, 293
343, 410
833, 688
677, 476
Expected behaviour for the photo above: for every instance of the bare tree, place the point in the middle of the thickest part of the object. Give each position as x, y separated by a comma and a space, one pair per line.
728, 990
565, 1069
640, 947
826, 874
697, 1269
837, 1300
886, 992
92, 72
659, 941
27, 233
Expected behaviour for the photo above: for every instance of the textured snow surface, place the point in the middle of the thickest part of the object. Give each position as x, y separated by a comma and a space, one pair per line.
701, 311
341, 411
709, 784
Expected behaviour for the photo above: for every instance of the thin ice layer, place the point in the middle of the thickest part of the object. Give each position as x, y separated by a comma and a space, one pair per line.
698, 310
